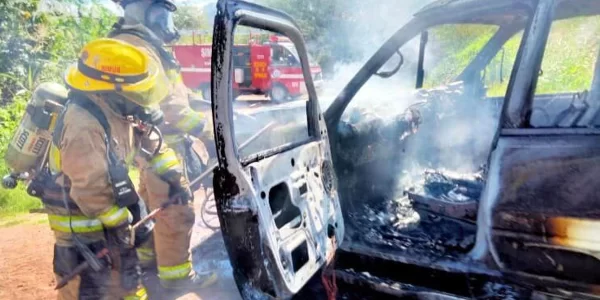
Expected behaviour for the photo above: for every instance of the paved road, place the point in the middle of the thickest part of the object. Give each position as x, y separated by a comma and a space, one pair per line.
208, 252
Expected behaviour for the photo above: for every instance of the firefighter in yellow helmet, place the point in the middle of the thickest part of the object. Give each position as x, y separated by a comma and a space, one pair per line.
90, 200
148, 25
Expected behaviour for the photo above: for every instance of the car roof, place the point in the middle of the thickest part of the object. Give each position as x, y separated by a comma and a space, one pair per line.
504, 11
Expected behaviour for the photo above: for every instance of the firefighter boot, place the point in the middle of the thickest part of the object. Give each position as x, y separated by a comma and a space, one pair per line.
149, 269
193, 283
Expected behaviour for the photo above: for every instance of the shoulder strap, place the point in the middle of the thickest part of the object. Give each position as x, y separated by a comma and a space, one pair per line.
94, 110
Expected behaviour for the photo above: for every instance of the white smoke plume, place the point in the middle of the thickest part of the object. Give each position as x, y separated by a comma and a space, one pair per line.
387, 98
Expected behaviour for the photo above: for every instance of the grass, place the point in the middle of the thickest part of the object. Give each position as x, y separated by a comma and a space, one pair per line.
17, 201
567, 66
7, 220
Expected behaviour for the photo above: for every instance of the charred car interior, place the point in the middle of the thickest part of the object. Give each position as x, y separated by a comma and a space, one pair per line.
478, 181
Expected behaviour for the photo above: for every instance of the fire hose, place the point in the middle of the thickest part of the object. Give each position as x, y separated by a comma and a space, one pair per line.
104, 252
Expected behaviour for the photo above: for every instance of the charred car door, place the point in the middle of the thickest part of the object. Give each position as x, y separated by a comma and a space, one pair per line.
539, 217
275, 187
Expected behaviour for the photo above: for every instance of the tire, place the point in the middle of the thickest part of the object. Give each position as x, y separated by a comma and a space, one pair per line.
278, 93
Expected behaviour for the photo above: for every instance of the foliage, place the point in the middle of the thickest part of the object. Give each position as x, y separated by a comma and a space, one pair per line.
190, 17
452, 47
20, 47
345, 31
323, 25
37, 46
567, 66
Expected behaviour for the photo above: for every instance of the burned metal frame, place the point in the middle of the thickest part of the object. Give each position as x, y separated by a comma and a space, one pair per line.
489, 51
519, 96
271, 259
438, 15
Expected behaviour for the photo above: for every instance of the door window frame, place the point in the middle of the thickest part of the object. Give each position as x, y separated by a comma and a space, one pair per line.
518, 104
221, 88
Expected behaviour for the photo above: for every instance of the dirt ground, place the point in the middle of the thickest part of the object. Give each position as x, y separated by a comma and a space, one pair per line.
26, 261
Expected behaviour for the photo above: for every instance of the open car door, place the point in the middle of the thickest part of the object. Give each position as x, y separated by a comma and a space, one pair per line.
275, 186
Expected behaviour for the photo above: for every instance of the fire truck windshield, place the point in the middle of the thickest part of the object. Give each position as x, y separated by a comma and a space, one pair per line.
290, 47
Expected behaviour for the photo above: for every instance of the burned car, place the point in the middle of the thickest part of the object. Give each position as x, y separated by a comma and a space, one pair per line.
471, 187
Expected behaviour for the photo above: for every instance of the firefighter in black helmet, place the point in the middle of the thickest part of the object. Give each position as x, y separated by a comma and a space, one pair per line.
148, 24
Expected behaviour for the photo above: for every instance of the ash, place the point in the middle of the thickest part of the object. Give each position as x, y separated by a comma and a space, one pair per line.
435, 216
451, 186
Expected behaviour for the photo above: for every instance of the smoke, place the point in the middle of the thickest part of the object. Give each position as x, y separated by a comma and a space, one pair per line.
454, 135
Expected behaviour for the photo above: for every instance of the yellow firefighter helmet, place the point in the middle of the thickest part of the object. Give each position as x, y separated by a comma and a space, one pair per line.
110, 65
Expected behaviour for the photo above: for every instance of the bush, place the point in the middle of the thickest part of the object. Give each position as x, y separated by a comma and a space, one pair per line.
37, 46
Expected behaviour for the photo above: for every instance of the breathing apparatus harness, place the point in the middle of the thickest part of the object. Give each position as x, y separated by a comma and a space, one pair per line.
118, 177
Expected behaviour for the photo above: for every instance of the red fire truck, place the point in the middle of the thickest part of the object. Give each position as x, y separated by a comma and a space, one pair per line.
272, 68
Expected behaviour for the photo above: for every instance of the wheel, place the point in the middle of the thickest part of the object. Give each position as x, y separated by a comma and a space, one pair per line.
278, 93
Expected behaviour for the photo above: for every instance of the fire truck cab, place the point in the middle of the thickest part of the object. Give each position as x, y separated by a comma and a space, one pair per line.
271, 68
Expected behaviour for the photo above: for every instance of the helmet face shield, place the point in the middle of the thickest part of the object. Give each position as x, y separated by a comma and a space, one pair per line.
159, 18
149, 98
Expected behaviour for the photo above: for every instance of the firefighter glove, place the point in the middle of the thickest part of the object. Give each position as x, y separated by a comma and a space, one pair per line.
167, 166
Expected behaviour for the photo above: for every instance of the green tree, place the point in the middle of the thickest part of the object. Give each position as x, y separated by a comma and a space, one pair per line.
190, 17
346, 30
37, 45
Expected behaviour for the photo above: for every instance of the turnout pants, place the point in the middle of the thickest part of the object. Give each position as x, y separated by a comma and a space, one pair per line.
90, 284
170, 243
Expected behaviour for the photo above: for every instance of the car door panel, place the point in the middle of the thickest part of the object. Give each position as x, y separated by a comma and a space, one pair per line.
541, 203
277, 199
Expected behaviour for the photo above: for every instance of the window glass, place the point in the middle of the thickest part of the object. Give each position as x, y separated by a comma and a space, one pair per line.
567, 71
451, 48
270, 92
497, 73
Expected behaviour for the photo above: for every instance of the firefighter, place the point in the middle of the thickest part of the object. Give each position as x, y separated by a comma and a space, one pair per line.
148, 25
90, 199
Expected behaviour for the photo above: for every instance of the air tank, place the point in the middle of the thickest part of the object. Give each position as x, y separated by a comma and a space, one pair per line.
28, 148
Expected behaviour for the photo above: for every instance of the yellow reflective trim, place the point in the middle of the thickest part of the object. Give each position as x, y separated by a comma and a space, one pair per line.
115, 216
175, 272
164, 161
129, 159
54, 159
140, 294
172, 139
190, 121
178, 79
174, 76
145, 254
80, 224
